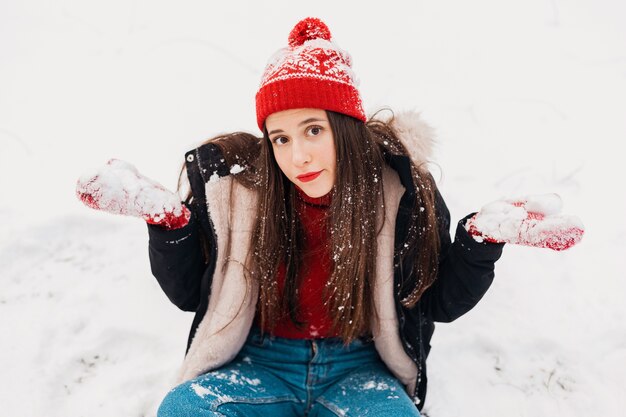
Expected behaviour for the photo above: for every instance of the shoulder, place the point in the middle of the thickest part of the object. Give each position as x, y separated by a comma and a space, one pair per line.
417, 136
221, 156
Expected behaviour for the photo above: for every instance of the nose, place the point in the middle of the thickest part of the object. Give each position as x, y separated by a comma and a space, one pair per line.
300, 154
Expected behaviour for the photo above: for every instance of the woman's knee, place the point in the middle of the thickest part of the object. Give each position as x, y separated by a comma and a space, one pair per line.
187, 400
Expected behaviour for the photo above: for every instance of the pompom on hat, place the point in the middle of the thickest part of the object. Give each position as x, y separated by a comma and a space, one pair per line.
311, 72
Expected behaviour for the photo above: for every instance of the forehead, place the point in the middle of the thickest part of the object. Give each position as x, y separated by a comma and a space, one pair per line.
293, 117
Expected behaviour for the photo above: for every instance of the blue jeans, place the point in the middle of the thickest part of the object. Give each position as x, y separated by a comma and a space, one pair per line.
278, 377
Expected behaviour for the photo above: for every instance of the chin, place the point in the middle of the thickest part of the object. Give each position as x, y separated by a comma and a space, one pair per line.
316, 192
313, 194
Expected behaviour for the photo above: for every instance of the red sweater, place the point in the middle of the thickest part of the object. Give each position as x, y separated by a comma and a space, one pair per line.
315, 272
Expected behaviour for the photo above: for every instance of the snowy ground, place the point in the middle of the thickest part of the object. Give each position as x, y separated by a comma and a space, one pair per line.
527, 97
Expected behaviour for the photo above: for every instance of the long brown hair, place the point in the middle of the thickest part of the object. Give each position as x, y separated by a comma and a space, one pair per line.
277, 237
422, 245
352, 224
236, 148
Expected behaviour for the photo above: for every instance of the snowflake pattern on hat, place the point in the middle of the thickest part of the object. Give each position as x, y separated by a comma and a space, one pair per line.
317, 58
312, 71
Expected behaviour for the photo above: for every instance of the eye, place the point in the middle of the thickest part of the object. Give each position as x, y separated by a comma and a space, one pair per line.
314, 130
279, 140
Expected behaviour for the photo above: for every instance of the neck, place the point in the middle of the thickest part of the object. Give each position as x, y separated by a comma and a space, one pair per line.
323, 201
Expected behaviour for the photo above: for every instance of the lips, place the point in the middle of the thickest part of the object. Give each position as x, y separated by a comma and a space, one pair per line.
309, 176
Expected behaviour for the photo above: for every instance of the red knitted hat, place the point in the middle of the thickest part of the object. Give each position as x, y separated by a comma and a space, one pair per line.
312, 72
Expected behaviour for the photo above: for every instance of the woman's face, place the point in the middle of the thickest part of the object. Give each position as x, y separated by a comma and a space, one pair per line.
304, 148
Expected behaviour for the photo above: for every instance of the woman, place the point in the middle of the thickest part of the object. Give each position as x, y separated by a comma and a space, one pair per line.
318, 257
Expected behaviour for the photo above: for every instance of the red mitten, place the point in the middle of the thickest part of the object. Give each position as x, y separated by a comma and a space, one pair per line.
119, 188
531, 221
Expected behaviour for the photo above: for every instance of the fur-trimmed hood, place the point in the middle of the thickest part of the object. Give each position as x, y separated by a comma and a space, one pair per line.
416, 135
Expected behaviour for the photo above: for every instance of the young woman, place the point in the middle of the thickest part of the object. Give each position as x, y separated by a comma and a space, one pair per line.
318, 257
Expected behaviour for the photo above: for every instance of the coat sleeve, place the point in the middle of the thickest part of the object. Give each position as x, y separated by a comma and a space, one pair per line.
466, 270
177, 262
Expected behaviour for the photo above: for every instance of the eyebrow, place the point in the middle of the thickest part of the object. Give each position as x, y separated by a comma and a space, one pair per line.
304, 122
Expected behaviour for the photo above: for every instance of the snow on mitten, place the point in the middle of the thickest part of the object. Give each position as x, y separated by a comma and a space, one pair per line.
530, 221
119, 188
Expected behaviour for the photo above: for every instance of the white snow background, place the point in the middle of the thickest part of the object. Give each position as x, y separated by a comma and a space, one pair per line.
526, 97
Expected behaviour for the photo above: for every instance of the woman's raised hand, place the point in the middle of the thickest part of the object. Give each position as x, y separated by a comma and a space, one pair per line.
530, 221
119, 188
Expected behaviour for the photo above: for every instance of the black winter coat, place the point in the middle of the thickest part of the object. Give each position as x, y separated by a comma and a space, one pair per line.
466, 267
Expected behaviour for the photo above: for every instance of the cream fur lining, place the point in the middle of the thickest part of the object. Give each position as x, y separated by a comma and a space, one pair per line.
227, 322
386, 331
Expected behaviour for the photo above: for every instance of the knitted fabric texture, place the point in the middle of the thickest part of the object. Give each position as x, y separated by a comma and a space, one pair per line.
311, 72
315, 271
